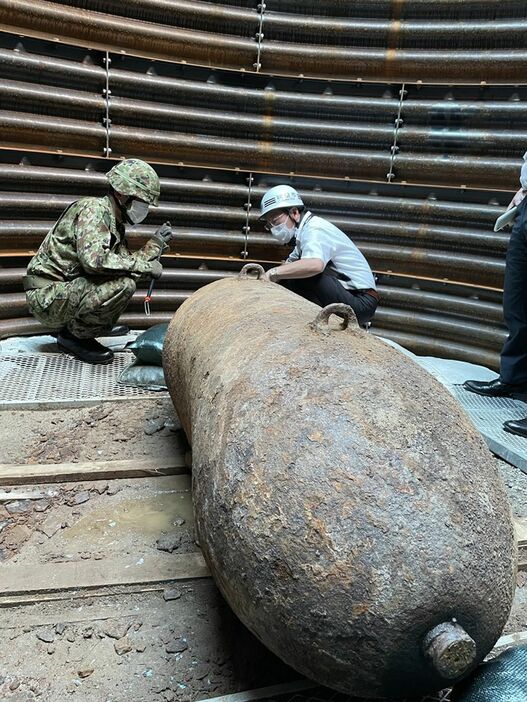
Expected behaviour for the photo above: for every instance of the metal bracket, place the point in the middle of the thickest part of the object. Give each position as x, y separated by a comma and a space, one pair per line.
259, 36
248, 205
107, 93
394, 149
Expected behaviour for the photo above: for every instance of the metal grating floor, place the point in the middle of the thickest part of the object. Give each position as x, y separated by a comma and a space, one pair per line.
52, 379
487, 413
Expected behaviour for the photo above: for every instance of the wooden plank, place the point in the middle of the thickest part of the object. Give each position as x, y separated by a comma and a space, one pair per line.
72, 596
52, 577
72, 616
398, 274
12, 474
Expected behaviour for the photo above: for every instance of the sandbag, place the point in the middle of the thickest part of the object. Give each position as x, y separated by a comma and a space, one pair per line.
503, 679
148, 347
139, 375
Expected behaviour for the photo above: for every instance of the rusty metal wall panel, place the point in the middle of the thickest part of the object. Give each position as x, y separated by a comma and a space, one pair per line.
437, 238
416, 174
433, 135
451, 239
392, 46
356, 31
384, 9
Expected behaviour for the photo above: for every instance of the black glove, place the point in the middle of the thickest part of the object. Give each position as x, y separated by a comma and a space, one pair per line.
163, 235
156, 270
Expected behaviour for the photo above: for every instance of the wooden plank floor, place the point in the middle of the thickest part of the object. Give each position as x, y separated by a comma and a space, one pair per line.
14, 474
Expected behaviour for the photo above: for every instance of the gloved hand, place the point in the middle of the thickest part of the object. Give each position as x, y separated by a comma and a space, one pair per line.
163, 235
517, 199
270, 276
156, 269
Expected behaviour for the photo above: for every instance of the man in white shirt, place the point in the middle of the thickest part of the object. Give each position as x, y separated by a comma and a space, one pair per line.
325, 266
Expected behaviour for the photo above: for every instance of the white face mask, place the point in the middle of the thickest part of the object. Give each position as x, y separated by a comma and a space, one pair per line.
137, 211
283, 233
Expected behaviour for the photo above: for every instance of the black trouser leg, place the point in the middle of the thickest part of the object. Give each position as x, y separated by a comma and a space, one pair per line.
513, 362
324, 289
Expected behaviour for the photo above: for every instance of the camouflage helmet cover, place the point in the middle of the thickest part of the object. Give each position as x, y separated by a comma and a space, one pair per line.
135, 178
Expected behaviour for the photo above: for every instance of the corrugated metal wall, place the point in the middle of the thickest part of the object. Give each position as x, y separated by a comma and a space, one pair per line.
404, 123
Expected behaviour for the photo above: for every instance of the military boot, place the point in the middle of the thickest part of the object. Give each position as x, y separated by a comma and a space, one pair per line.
86, 350
118, 330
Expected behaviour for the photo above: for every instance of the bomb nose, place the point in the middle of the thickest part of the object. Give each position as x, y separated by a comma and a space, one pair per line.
449, 649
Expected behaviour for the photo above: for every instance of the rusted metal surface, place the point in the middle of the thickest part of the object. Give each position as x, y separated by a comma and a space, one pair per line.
340, 513
219, 18
417, 298
71, 136
442, 327
24, 97
94, 29
423, 345
243, 123
381, 103
394, 204
444, 316
447, 138
28, 326
439, 9
416, 236
200, 33
474, 269
442, 348
463, 323
401, 65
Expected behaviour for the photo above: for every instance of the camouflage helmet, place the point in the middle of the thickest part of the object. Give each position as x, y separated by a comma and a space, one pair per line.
135, 178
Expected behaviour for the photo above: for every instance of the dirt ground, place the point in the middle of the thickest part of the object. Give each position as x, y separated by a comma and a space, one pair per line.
109, 431
180, 642
128, 644
133, 648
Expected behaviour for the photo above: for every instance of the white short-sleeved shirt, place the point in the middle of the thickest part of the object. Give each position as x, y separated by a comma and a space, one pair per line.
318, 238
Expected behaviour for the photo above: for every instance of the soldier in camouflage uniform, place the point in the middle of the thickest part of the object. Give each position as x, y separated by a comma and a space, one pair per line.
83, 275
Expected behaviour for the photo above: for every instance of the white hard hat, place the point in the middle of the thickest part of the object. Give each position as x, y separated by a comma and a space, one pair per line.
280, 197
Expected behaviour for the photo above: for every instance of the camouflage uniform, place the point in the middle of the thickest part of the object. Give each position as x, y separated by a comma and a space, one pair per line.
83, 275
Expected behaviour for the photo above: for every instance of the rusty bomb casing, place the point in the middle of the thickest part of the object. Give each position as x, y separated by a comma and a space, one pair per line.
349, 512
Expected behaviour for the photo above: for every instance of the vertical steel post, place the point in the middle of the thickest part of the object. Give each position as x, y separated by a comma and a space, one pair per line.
107, 92
397, 124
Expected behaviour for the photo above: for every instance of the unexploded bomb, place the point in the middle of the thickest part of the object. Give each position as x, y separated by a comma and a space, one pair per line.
349, 512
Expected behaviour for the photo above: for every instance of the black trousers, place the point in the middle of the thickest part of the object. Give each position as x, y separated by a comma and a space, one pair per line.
513, 363
325, 289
